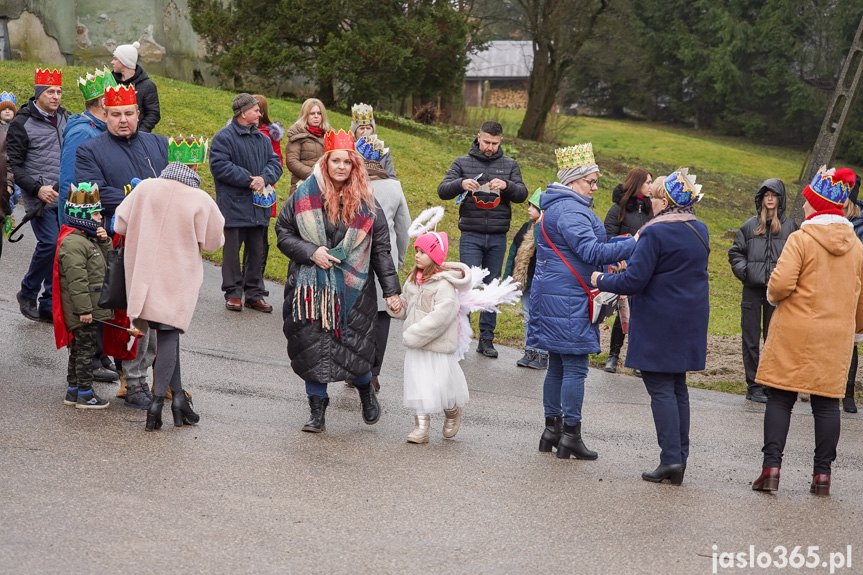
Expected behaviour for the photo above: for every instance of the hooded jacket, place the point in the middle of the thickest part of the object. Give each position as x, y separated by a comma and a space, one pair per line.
559, 316
637, 214
752, 257
79, 129
816, 288
147, 96
472, 218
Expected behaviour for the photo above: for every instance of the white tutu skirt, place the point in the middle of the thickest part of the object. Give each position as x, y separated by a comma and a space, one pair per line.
433, 381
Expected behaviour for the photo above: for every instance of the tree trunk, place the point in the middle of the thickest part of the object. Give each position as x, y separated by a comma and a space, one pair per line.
326, 93
541, 92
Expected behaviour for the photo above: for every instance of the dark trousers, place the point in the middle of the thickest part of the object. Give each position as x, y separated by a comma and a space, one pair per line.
669, 402
265, 252
777, 420
79, 372
617, 338
41, 273
755, 313
852, 374
248, 279
167, 369
485, 251
382, 334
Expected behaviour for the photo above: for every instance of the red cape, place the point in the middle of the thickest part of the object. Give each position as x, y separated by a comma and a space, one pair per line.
61, 334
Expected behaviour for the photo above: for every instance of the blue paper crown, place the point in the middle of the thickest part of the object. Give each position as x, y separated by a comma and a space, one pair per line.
833, 185
681, 188
8, 97
265, 198
371, 148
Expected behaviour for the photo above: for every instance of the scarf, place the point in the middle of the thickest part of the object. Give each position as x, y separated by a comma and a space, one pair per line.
328, 295
672, 214
181, 173
315, 131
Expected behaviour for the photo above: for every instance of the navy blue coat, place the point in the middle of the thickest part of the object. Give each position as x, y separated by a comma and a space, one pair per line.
237, 153
559, 319
667, 281
113, 161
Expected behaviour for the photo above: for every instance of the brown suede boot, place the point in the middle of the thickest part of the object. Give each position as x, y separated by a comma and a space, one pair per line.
122, 391
168, 394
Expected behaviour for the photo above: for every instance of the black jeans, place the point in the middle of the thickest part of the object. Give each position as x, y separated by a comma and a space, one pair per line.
617, 338
755, 313
249, 279
777, 420
669, 402
382, 335
852, 374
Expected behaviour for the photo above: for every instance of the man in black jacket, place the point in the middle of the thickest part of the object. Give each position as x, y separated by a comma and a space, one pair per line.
34, 141
128, 72
485, 182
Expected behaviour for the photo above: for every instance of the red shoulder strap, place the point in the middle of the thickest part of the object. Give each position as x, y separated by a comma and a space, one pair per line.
560, 255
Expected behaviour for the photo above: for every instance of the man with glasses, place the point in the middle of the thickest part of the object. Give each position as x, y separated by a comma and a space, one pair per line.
484, 183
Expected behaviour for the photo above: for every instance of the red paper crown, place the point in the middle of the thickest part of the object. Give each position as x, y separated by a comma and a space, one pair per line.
341, 141
119, 96
49, 77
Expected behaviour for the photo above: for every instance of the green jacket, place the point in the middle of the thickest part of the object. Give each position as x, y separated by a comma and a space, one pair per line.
81, 264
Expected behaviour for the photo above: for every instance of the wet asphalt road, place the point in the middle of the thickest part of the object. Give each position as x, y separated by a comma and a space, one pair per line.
246, 492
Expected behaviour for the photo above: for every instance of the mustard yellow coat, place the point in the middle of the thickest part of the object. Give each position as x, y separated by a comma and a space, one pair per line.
816, 287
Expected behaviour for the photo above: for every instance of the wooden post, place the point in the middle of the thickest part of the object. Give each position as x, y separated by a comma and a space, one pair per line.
834, 120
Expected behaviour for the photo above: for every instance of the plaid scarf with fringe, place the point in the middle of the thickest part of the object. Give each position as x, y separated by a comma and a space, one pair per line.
328, 295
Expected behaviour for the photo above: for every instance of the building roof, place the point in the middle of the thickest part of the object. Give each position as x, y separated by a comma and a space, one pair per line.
504, 59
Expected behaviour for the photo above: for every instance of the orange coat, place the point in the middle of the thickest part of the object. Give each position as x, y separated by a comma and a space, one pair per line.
816, 287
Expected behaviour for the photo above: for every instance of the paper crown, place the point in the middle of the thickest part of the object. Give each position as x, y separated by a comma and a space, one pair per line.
48, 77
534, 198
93, 85
341, 141
180, 150
681, 189
575, 156
832, 185
362, 114
86, 194
264, 198
82, 203
371, 148
116, 96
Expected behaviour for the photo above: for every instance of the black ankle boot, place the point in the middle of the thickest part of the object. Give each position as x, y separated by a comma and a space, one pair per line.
154, 414
181, 406
318, 408
673, 472
571, 445
551, 434
371, 407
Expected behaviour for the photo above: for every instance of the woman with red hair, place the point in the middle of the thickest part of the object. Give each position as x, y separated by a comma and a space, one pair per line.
337, 239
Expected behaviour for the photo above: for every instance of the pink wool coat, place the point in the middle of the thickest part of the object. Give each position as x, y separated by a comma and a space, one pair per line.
166, 224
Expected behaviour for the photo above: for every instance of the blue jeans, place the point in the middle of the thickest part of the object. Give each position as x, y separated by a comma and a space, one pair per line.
40, 276
318, 389
485, 251
563, 390
525, 311
669, 402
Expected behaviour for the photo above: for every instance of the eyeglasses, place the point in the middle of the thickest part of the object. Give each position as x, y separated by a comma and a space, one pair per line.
591, 183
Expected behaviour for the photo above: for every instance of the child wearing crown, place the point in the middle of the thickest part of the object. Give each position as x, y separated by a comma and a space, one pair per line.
79, 270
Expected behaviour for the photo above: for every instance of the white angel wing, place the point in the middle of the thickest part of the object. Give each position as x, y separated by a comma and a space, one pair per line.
478, 297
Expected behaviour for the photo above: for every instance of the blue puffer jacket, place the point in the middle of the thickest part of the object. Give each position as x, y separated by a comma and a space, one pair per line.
559, 319
237, 153
79, 129
113, 161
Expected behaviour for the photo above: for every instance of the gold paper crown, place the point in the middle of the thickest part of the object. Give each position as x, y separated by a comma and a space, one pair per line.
85, 194
575, 156
362, 114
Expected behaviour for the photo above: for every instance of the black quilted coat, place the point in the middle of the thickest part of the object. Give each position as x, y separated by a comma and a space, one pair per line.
318, 355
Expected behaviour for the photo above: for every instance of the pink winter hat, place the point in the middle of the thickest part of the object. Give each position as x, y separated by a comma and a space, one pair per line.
435, 244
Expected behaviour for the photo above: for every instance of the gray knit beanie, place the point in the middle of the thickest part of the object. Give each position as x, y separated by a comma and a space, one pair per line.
243, 102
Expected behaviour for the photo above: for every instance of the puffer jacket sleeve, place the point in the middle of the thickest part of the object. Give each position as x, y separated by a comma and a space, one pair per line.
737, 255
436, 323
72, 264
581, 239
381, 259
612, 225
516, 191
288, 236
450, 187
295, 165
783, 280
17, 144
152, 112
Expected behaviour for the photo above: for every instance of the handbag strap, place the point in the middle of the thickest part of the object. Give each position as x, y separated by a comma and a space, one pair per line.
700, 237
560, 255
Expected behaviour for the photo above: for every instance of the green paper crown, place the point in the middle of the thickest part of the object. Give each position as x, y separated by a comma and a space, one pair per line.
534, 198
93, 86
180, 150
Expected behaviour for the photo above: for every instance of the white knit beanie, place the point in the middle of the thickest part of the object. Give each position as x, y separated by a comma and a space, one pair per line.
127, 54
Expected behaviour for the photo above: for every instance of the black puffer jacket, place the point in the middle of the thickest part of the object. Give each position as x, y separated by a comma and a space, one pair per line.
752, 257
318, 355
472, 218
637, 214
147, 96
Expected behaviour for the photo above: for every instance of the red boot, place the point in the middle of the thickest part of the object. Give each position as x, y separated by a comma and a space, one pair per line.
768, 480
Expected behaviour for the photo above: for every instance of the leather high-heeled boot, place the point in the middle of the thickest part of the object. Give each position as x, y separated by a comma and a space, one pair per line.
571, 445
154, 414
317, 420
452, 422
768, 480
820, 484
673, 472
551, 434
181, 406
420, 434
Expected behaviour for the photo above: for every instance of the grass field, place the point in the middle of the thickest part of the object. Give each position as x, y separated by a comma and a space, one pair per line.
730, 169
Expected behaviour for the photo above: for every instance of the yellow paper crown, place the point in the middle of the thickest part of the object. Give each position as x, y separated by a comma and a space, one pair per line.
362, 114
575, 156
